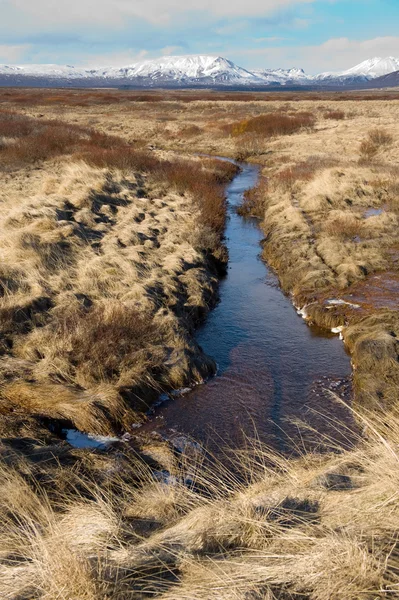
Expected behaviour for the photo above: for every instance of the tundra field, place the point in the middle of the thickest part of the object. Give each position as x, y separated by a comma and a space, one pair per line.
111, 239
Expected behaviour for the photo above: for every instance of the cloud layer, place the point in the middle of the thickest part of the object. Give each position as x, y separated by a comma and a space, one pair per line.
115, 12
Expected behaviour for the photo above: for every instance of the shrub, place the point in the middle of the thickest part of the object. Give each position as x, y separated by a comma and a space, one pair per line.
335, 115
38, 139
272, 124
119, 157
376, 140
205, 185
303, 171
250, 144
253, 204
344, 227
190, 131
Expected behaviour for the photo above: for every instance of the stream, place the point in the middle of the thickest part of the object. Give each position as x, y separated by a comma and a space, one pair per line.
274, 369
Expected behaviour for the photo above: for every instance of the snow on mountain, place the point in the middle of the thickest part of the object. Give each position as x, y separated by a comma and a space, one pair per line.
182, 68
282, 76
374, 67
180, 71
51, 71
365, 71
174, 69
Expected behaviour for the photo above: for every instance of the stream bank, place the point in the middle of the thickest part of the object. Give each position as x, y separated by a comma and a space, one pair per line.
273, 369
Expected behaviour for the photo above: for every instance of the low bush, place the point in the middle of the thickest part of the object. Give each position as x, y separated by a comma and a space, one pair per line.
253, 204
272, 124
35, 140
345, 227
119, 157
335, 115
189, 131
302, 171
376, 140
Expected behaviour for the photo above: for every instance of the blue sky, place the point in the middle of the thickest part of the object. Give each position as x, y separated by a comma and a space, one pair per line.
317, 35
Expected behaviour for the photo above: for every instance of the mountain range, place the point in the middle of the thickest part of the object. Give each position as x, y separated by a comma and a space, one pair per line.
194, 71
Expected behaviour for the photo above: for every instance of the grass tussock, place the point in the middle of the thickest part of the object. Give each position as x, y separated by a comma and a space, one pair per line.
320, 526
106, 270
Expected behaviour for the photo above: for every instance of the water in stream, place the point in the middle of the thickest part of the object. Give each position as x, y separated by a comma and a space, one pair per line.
273, 368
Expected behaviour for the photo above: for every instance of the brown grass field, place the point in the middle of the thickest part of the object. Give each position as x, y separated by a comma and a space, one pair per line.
111, 238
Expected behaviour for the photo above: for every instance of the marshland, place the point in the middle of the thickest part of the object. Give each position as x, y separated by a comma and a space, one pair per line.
137, 266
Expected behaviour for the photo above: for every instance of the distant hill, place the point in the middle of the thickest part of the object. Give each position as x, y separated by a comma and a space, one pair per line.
195, 71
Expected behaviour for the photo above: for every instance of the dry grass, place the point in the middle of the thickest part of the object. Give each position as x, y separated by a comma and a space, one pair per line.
321, 526
111, 256
335, 115
377, 140
108, 262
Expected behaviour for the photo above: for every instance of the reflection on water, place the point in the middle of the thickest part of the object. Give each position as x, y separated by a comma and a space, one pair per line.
273, 368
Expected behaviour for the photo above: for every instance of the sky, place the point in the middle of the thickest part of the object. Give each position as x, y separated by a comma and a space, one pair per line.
316, 35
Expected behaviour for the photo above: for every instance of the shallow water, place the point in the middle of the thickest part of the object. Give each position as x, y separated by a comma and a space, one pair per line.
373, 212
273, 368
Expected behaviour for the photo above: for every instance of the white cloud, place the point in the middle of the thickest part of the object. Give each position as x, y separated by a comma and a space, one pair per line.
333, 55
115, 59
170, 50
114, 12
11, 54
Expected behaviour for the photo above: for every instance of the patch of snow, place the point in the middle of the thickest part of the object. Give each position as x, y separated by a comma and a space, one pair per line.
338, 330
77, 439
339, 302
302, 312
181, 392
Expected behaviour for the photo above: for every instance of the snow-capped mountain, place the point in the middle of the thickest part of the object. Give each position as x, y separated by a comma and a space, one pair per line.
365, 71
50, 71
375, 67
185, 68
282, 76
190, 71
176, 70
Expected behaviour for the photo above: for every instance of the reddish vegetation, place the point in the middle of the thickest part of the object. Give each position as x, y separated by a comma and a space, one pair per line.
205, 179
336, 115
301, 171
345, 228
103, 340
272, 124
376, 139
27, 140
253, 204
89, 97
380, 290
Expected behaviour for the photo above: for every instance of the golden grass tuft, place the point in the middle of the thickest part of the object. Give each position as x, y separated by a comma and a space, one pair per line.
318, 526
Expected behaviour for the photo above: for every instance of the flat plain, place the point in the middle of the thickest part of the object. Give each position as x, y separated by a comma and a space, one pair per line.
111, 237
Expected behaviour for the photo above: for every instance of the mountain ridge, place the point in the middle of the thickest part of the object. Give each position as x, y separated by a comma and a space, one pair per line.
192, 70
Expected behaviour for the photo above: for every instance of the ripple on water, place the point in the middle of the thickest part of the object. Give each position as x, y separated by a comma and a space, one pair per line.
273, 368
